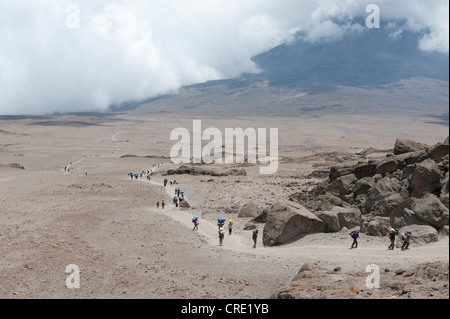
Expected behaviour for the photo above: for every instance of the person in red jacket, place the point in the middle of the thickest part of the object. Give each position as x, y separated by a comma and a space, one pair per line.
255, 238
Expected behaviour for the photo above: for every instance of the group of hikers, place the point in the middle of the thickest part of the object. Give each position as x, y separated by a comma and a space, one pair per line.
146, 173
393, 233
179, 197
221, 230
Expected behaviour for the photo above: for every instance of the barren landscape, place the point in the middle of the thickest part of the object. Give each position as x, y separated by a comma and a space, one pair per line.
96, 217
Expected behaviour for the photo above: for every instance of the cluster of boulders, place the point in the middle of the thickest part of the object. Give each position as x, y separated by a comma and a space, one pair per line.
196, 171
408, 187
406, 190
13, 165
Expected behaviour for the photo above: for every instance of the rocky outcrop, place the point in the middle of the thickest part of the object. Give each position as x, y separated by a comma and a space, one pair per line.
184, 204
249, 210
403, 146
287, 221
425, 179
409, 188
420, 234
338, 218
195, 171
375, 225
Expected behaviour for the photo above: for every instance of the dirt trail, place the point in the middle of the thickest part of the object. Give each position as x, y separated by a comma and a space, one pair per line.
330, 250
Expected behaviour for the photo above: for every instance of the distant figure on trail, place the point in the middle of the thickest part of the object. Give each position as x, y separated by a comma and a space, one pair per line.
255, 237
163, 204
157, 204
221, 236
230, 227
406, 237
165, 182
392, 234
355, 236
196, 222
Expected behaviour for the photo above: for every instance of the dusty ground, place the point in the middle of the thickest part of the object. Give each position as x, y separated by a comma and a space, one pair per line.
109, 226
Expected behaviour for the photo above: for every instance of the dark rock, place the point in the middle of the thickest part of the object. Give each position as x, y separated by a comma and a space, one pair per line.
249, 210
425, 179
387, 166
338, 218
288, 220
341, 186
403, 146
438, 152
365, 170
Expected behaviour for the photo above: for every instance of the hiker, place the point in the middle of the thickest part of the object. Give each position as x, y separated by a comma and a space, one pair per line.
163, 204
165, 182
230, 227
157, 204
392, 235
406, 237
196, 222
221, 236
355, 236
255, 237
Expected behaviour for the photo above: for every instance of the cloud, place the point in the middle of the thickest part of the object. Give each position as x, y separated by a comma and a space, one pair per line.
80, 55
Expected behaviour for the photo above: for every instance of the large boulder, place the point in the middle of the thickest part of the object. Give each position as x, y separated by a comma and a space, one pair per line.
342, 186
387, 166
184, 204
424, 211
420, 234
338, 218
287, 221
365, 170
314, 203
431, 211
249, 210
363, 186
403, 146
378, 226
338, 171
385, 196
425, 179
404, 160
438, 152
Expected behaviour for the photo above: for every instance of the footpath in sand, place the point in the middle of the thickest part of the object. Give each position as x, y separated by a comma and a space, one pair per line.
108, 225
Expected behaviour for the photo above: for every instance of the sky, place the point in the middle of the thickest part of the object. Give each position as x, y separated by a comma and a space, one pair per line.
79, 55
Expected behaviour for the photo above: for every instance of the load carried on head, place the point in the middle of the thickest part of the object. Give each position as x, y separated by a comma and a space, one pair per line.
221, 222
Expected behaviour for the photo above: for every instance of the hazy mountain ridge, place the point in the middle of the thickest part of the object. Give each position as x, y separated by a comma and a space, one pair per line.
365, 73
